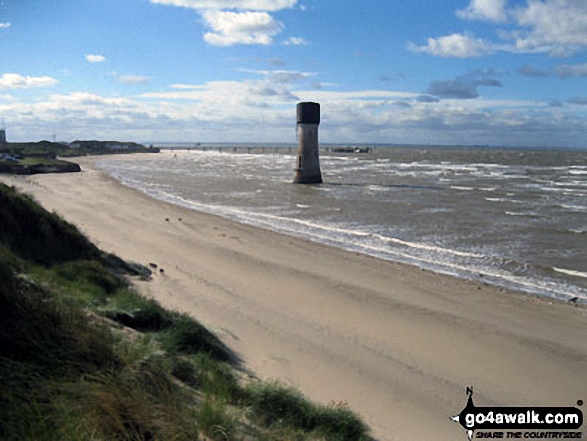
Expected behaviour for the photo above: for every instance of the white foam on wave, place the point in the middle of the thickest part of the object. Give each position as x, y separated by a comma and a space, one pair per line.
510, 201
570, 272
491, 166
543, 288
377, 188
423, 246
528, 214
574, 207
455, 187
571, 184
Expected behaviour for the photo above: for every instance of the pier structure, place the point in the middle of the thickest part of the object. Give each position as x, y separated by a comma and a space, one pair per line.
308, 161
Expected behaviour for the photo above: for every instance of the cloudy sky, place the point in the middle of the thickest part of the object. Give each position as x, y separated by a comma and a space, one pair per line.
498, 72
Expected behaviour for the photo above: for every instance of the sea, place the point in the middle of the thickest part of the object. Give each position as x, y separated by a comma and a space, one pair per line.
515, 218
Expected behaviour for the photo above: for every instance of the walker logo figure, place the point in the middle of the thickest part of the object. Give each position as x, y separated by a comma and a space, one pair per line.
514, 419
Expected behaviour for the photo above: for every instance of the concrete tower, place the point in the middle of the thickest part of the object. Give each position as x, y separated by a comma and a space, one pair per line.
2, 136
308, 162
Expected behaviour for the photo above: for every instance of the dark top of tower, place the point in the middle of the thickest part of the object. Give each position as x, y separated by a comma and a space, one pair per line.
308, 113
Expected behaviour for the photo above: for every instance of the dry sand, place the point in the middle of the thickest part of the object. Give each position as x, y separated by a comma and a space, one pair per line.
396, 343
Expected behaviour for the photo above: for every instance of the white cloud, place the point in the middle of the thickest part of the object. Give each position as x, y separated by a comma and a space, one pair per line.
356, 96
271, 91
133, 79
206, 92
240, 27
85, 99
558, 27
15, 81
186, 86
555, 27
95, 58
234, 111
281, 76
4, 25
250, 5
492, 10
238, 21
454, 45
287, 76
277, 92
295, 41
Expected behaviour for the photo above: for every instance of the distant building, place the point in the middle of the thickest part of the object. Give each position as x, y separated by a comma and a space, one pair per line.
2, 136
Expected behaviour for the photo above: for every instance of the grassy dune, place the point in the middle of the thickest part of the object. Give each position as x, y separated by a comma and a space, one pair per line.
83, 356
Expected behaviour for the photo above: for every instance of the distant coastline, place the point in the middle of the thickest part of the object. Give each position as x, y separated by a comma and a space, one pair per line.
326, 146
29, 158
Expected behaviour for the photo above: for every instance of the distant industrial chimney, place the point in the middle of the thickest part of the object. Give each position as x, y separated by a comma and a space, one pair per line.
2, 136
308, 162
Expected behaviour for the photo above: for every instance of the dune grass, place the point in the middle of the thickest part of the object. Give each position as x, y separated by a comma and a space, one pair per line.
274, 404
33, 234
84, 356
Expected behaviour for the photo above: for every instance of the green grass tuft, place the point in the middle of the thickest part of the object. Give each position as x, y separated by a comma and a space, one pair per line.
35, 328
214, 421
187, 336
90, 272
34, 234
185, 371
217, 379
277, 405
138, 312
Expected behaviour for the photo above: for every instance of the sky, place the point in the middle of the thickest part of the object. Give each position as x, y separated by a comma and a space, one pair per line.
450, 72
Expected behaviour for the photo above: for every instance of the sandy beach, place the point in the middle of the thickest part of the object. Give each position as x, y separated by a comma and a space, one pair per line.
396, 343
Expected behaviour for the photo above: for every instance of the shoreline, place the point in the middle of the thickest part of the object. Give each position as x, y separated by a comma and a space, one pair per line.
477, 261
399, 344
479, 282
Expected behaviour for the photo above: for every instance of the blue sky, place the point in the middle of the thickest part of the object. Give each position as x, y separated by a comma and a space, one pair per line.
497, 72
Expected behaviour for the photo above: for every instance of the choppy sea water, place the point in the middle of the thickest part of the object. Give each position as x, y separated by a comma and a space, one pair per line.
512, 218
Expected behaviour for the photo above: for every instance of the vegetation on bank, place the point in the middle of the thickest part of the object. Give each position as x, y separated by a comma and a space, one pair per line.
41, 157
83, 356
